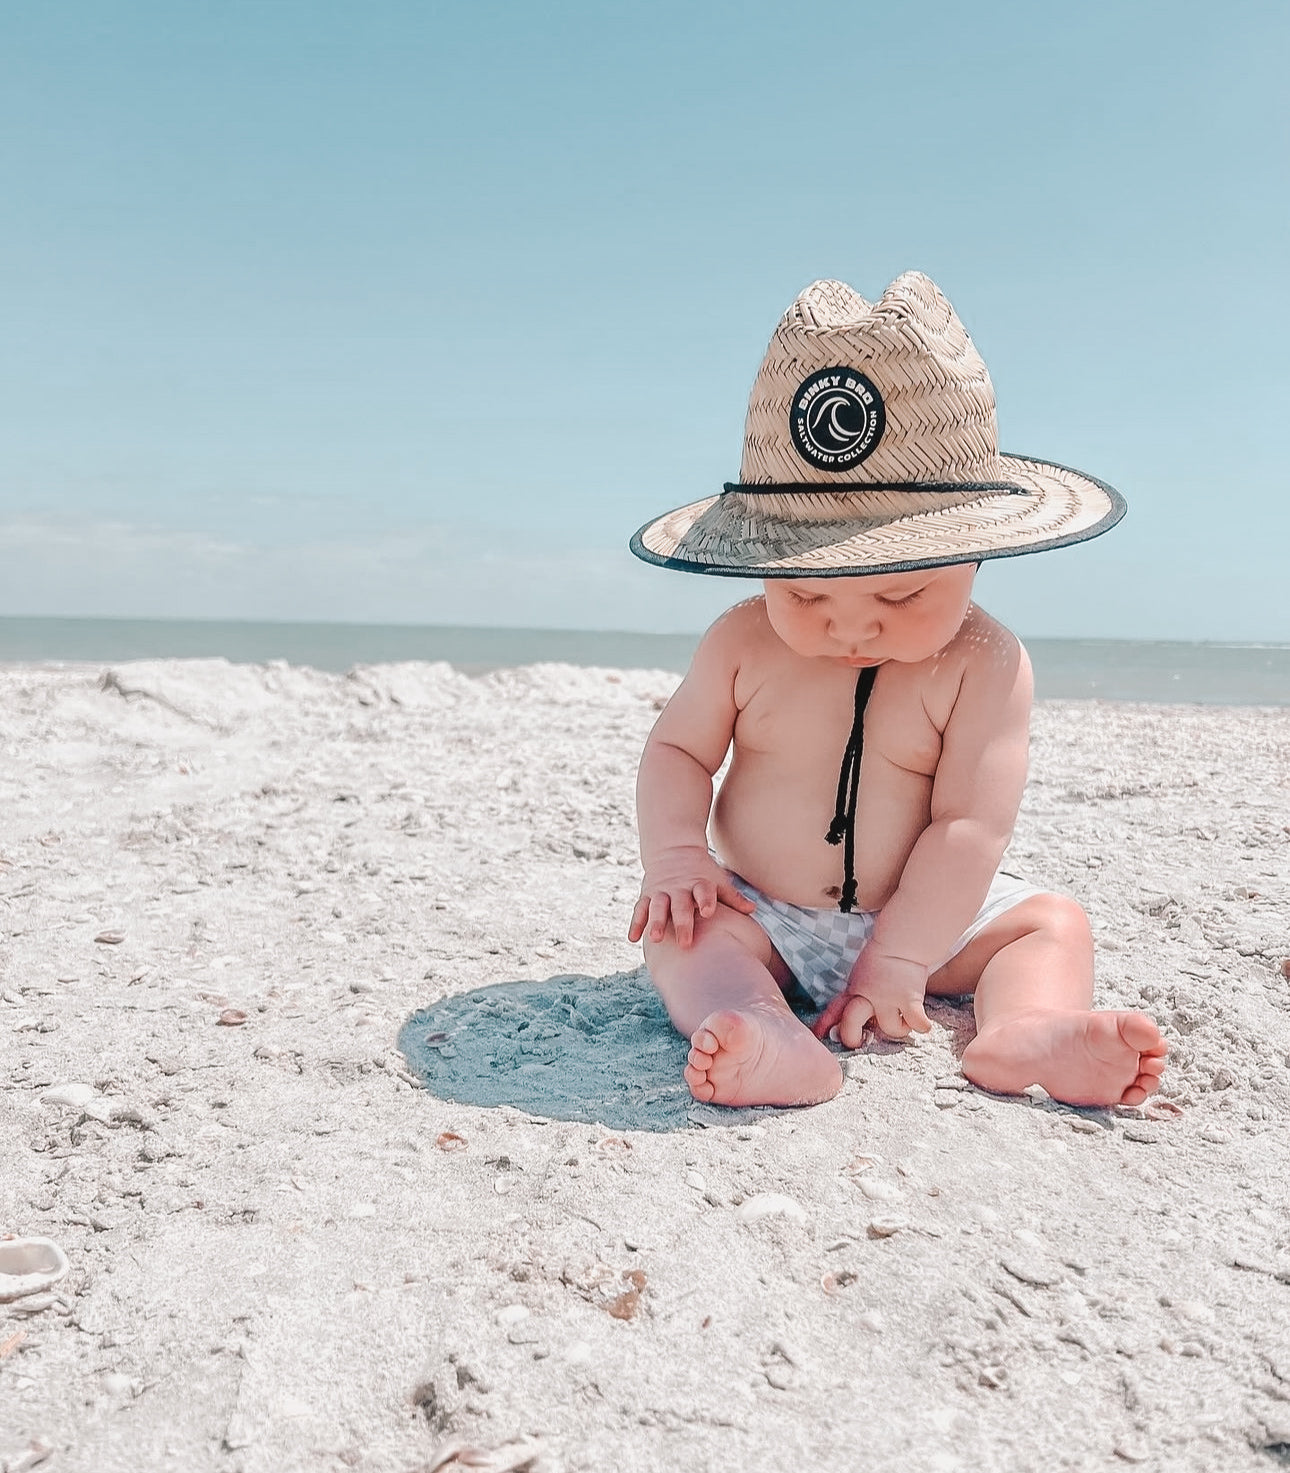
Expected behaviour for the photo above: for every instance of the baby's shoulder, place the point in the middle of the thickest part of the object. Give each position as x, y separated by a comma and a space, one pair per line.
985, 668
741, 651
741, 633
982, 643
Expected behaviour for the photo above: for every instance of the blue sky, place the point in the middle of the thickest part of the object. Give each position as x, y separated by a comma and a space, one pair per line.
412, 313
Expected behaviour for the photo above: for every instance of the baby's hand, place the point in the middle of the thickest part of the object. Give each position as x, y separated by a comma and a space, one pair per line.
886, 990
678, 883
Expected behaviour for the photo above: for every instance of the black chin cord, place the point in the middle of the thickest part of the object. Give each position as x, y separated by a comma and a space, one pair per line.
843, 828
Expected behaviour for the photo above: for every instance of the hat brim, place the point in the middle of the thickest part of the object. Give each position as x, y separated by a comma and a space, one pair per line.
1034, 506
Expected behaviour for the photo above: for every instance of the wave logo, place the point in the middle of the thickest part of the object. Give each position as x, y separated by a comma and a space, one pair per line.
836, 419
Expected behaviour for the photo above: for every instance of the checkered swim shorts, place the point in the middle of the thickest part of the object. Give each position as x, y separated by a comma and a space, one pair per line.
820, 947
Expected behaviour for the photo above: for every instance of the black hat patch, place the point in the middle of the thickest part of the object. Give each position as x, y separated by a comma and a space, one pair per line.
836, 419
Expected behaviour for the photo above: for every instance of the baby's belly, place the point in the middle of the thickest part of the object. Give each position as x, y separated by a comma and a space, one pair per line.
772, 832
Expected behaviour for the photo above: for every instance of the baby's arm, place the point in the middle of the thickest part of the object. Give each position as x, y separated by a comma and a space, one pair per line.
674, 794
975, 797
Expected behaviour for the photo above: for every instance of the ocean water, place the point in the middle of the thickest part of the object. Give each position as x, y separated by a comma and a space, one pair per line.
1102, 669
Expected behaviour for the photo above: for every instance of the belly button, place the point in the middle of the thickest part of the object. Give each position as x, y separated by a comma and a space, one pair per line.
834, 892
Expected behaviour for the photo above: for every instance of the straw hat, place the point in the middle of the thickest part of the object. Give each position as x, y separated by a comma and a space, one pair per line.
870, 446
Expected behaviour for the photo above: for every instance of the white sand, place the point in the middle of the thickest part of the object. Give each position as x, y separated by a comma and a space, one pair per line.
287, 1254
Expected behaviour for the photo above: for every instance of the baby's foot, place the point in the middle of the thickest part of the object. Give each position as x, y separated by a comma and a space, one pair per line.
756, 1058
1080, 1058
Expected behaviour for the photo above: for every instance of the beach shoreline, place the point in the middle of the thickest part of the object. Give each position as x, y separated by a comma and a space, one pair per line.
331, 1070
1166, 672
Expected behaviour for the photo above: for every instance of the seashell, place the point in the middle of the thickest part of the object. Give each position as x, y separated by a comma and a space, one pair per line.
887, 1227
770, 1204
858, 1165
879, 1191
625, 1305
28, 1265
1032, 1270
76, 1095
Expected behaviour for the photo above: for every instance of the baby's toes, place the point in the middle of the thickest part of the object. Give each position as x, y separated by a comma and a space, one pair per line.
701, 1087
1140, 1033
1150, 1068
1142, 1087
1147, 1083
701, 1059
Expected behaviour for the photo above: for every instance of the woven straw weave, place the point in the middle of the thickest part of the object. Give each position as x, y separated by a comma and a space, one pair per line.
933, 490
938, 396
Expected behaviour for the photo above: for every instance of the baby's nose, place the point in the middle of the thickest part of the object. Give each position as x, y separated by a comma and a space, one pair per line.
857, 631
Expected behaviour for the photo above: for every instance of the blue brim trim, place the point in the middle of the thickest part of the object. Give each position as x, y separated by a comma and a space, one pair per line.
1115, 513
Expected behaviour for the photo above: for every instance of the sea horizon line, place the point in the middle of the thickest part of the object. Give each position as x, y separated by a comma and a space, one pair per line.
213, 622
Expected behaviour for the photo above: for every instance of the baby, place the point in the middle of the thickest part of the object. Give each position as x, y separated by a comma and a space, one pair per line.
876, 721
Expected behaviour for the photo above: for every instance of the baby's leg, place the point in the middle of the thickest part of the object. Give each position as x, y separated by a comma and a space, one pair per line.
725, 992
1032, 974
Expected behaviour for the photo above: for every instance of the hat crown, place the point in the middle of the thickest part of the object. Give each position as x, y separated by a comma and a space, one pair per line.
934, 421
871, 447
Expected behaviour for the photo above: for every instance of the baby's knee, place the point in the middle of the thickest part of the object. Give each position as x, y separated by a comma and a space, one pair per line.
1060, 918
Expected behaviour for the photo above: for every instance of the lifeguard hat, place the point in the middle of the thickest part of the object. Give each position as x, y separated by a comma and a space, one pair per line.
871, 447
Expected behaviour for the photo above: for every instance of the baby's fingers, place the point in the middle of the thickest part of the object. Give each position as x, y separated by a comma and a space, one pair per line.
735, 899
639, 916
915, 1016
705, 897
899, 1020
890, 1023
683, 916
659, 909
856, 1017
828, 1019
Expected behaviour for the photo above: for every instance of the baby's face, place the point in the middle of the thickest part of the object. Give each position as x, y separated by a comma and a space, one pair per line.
866, 621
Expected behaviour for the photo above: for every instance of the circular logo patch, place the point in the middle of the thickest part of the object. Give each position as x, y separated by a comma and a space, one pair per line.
836, 419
